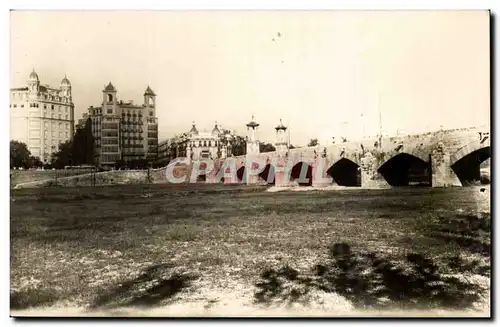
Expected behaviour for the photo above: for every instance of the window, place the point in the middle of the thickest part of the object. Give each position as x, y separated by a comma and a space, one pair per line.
151, 114
59, 116
22, 106
110, 97
66, 117
110, 111
52, 107
15, 105
44, 106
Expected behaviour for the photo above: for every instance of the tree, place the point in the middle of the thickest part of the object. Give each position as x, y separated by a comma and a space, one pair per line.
64, 155
83, 145
313, 142
19, 155
266, 147
35, 162
238, 145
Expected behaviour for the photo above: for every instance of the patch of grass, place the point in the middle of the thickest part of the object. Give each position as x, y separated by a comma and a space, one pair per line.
70, 237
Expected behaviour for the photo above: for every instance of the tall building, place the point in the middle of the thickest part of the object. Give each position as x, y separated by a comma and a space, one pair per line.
123, 130
41, 116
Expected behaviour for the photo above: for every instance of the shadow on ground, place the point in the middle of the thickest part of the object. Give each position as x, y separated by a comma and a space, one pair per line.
153, 286
32, 297
470, 232
369, 280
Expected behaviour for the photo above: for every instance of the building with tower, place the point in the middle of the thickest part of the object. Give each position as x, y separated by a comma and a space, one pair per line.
41, 116
124, 130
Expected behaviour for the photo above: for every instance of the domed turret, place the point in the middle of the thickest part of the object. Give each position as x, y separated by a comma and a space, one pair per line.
65, 82
33, 78
193, 130
216, 130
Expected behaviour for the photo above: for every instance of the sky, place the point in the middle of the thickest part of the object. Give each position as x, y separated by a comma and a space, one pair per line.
324, 73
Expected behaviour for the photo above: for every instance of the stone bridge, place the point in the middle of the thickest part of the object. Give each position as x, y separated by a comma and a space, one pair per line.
438, 159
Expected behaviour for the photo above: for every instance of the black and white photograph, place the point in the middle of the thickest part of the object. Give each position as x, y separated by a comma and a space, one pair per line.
250, 163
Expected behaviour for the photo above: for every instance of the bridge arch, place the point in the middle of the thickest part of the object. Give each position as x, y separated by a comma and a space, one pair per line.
468, 149
466, 162
345, 172
419, 153
240, 174
269, 174
296, 173
406, 169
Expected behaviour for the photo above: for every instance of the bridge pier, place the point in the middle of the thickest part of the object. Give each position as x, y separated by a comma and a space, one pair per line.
319, 173
442, 173
370, 177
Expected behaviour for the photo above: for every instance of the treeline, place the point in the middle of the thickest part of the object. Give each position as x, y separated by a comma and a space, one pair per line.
80, 150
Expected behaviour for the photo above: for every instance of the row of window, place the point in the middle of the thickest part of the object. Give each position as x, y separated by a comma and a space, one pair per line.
55, 134
109, 149
37, 105
109, 126
109, 141
110, 157
203, 143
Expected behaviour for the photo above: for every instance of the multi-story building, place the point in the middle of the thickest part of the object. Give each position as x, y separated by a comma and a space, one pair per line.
123, 130
196, 145
42, 117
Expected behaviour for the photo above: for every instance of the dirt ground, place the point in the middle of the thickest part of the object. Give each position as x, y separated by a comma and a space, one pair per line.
202, 249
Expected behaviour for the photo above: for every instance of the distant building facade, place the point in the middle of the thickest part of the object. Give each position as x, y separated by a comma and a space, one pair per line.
42, 116
196, 145
123, 130
212, 145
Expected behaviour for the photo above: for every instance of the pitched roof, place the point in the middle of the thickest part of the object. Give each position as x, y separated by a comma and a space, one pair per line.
280, 126
149, 92
252, 124
110, 88
193, 129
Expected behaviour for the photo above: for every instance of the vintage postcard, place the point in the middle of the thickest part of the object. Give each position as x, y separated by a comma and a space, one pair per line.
250, 163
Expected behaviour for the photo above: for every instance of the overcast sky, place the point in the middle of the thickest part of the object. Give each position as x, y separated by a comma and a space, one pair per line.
325, 74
